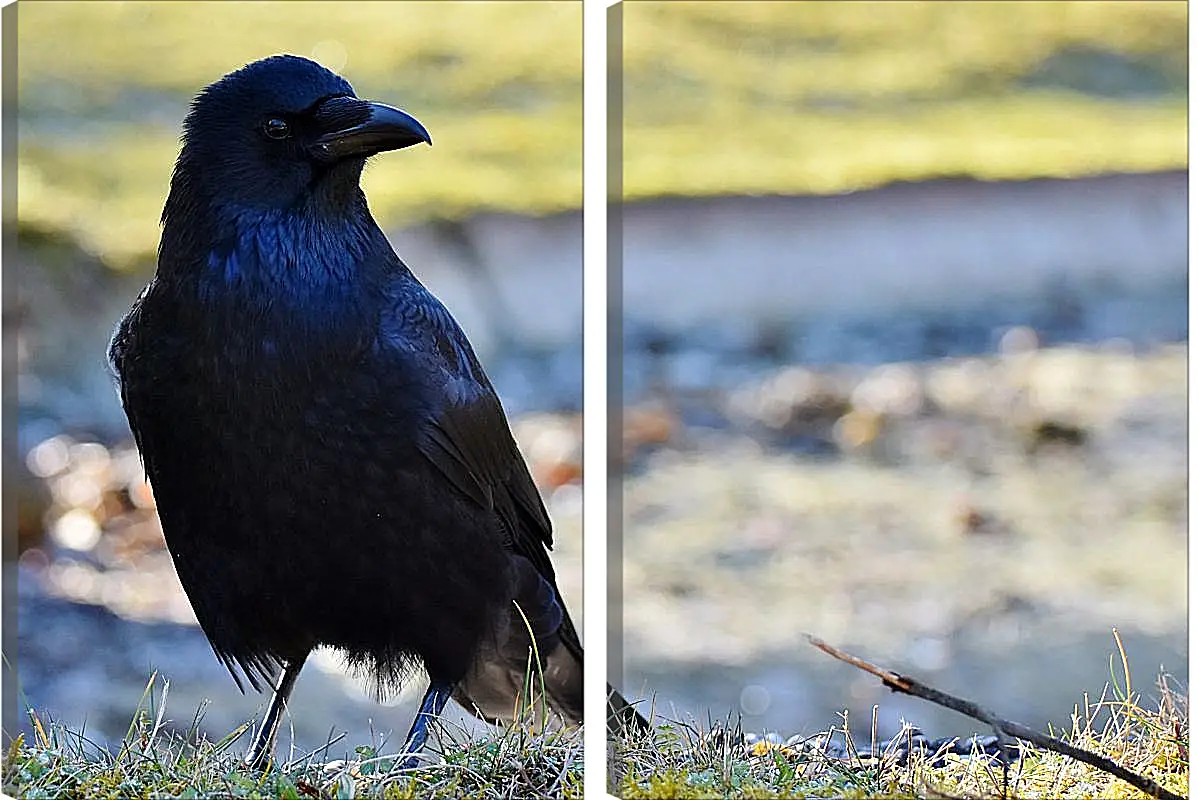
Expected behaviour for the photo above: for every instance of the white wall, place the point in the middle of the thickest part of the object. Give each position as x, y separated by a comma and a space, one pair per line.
930, 244
687, 261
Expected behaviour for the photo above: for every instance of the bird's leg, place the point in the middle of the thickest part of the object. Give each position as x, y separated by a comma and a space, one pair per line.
431, 706
264, 743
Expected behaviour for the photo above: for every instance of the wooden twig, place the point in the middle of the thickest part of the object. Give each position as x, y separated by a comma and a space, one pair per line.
907, 685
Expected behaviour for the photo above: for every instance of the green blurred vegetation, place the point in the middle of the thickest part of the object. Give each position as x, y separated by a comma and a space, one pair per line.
720, 97
768, 97
104, 86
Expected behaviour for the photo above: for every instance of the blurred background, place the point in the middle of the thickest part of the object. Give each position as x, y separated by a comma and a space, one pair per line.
905, 321
489, 218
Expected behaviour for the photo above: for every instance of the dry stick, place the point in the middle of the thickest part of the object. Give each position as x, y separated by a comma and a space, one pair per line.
906, 685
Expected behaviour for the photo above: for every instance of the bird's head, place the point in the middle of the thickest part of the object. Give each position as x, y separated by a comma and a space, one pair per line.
285, 130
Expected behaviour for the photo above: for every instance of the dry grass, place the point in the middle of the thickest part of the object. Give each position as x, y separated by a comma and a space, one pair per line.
680, 760
155, 760
684, 760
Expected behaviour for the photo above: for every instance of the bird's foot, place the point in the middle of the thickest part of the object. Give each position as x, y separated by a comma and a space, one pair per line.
431, 706
263, 749
410, 761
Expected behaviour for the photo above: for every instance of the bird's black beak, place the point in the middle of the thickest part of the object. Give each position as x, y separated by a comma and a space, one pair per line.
358, 128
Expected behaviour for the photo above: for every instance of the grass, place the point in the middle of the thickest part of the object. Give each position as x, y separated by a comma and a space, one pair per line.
676, 760
156, 760
687, 761
719, 97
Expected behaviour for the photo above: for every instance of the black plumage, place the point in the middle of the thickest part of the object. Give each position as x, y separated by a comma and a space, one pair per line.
330, 462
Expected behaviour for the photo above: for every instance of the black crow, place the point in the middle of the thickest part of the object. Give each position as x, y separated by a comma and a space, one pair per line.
330, 462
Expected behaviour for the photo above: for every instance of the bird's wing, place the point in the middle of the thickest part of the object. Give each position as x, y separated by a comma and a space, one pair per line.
466, 434
470, 443
467, 438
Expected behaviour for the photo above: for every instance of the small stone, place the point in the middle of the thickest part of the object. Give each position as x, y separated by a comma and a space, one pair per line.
754, 700
1018, 340
892, 389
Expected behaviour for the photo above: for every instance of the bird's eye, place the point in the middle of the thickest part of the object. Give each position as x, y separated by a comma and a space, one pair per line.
276, 128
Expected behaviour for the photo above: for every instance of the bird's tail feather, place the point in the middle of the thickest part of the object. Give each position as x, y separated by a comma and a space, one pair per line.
506, 674
492, 684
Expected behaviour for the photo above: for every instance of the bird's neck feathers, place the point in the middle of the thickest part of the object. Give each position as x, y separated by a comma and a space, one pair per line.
302, 258
290, 252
